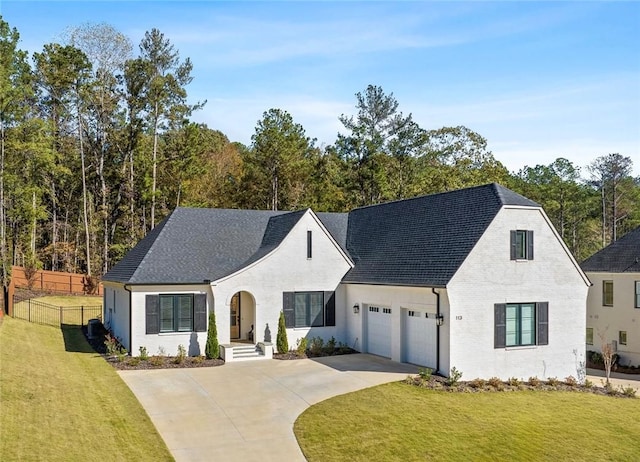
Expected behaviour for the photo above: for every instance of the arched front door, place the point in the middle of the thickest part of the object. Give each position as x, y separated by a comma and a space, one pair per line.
241, 316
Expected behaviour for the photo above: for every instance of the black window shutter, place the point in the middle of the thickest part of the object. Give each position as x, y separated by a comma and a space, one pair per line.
152, 310
288, 307
542, 309
200, 312
529, 245
329, 308
500, 325
513, 245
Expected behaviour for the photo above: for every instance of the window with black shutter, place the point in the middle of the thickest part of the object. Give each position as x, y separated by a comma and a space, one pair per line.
200, 312
521, 324
152, 311
521, 244
309, 309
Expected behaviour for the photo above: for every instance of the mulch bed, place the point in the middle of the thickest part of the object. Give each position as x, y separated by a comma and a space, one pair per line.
291, 355
154, 362
615, 368
494, 385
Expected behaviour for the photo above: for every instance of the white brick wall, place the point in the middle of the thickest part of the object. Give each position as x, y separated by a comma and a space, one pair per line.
488, 276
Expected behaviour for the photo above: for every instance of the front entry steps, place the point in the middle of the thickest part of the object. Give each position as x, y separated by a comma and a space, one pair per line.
245, 352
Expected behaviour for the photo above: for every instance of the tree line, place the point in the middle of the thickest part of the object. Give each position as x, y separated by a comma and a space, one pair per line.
98, 145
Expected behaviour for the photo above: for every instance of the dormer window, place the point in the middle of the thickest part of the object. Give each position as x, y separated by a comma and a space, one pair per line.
521, 244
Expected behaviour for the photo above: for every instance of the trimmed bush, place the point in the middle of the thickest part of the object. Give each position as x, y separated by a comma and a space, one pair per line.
212, 349
282, 343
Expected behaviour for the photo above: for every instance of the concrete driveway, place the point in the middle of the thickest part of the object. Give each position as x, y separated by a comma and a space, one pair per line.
244, 411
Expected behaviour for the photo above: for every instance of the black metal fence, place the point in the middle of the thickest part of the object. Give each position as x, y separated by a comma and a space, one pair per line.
44, 313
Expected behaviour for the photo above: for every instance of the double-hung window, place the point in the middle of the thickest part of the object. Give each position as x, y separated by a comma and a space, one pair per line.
309, 309
589, 335
607, 293
521, 244
521, 324
176, 313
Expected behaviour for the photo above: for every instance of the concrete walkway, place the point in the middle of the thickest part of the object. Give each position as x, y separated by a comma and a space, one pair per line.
245, 411
617, 380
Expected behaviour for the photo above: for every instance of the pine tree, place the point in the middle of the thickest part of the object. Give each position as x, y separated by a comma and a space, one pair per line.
212, 350
281, 341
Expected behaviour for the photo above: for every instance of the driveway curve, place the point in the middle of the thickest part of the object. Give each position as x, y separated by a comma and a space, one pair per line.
244, 411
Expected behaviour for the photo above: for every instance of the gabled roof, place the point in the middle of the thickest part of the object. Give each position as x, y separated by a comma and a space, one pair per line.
424, 240
419, 242
621, 256
192, 245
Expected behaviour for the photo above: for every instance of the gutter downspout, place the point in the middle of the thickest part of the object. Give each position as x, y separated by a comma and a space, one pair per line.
130, 322
437, 294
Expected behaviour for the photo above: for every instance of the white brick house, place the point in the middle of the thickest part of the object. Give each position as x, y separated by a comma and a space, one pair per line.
476, 279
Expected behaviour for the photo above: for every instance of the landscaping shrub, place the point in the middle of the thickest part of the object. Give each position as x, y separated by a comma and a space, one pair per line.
133, 361
156, 360
425, 373
301, 346
182, 354
588, 383
478, 383
534, 381
330, 347
628, 391
553, 381
571, 381
454, 376
282, 343
197, 359
514, 381
212, 348
144, 354
496, 383
315, 347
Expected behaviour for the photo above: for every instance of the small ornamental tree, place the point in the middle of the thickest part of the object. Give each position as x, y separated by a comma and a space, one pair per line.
281, 340
212, 350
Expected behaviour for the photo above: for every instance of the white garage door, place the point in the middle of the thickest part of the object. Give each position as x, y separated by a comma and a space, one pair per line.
419, 338
379, 331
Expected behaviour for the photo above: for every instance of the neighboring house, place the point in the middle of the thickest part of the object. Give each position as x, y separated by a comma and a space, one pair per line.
613, 304
476, 279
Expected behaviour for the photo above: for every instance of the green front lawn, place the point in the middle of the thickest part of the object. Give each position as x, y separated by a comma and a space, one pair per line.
403, 422
60, 401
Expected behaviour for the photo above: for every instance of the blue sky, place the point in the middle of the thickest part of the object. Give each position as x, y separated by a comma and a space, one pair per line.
539, 80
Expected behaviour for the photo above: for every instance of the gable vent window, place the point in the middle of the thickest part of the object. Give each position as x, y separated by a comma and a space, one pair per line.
637, 298
521, 244
374, 309
386, 310
521, 324
309, 244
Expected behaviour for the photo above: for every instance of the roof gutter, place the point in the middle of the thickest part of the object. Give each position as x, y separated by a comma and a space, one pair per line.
438, 315
128, 289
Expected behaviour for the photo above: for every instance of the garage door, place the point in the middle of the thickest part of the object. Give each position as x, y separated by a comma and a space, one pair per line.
379, 331
419, 338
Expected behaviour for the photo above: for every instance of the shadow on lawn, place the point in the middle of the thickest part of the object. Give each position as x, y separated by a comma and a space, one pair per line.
74, 339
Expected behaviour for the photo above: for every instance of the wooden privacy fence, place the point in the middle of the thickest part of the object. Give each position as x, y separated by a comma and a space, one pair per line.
52, 281
44, 313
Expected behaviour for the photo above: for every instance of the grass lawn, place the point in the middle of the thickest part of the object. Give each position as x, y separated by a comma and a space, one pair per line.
71, 300
402, 422
60, 401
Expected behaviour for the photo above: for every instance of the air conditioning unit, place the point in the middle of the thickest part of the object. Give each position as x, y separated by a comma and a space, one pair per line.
93, 327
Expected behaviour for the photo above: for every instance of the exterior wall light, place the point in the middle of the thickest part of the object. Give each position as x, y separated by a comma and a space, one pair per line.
356, 309
439, 319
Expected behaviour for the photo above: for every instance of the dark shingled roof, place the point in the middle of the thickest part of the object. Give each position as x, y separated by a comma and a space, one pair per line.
621, 256
192, 245
419, 242
424, 240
